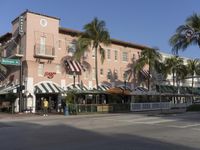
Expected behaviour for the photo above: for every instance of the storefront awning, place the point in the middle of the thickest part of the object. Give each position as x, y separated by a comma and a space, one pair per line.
77, 87
8, 89
47, 87
103, 87
74, 66
145, 73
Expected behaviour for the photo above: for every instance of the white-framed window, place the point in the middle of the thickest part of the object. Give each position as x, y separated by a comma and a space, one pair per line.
59, 44
108, 53
116, 54
72, 47
42, 45
109, 74
116, 74
101, 71
58, 68
124, 56
41, 69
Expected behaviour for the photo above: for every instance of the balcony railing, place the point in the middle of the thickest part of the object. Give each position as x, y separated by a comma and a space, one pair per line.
44, 51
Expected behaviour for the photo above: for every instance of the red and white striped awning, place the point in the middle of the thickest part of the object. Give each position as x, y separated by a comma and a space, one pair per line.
74, 66
145, 73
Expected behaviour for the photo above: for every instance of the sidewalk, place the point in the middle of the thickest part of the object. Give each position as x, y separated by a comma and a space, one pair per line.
29, 116
16, 115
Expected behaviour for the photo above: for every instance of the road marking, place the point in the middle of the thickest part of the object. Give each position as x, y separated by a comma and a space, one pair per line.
186, 126
145, 120
157, 121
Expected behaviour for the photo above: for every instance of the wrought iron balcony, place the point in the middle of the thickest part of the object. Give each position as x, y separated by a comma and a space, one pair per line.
44, 51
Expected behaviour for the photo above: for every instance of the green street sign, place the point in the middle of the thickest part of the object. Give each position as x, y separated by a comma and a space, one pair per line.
7, 61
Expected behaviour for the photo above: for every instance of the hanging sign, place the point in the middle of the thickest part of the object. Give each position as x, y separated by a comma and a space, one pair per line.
21, 23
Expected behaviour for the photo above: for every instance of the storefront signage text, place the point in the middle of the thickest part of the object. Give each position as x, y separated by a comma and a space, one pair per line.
49, 75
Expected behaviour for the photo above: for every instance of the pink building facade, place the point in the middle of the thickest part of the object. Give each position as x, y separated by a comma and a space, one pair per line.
46, 51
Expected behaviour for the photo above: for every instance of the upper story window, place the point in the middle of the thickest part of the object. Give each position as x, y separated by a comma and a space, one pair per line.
42, 44
101, 71
109, 74
108, 53
58, 69
116, 54
59, 44
72, 47
116, 74
40, 69
124, 56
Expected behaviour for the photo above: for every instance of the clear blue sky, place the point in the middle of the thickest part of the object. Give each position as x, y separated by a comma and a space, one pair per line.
146, 22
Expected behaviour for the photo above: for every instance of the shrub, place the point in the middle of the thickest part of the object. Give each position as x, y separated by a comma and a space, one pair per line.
194, 107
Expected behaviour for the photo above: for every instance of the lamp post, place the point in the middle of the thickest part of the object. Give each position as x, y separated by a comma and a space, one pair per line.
74, 76
160, 79
125, 78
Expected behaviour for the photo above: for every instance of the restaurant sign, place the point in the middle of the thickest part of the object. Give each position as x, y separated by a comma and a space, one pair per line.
49, 75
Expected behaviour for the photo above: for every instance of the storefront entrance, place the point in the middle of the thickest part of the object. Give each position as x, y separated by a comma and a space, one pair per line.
53, 99
49, 91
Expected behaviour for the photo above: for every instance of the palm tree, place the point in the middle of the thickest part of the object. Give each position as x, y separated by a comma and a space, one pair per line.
174, 66
187, 34
193, 67
95, 34
132, 70
149, 57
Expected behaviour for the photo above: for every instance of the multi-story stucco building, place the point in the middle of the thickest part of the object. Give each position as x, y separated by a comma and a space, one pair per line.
45, 50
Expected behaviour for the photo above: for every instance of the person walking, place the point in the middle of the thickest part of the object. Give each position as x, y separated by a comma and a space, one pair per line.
45, 107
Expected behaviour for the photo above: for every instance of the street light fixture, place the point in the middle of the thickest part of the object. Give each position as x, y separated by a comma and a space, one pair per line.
125, 78
74, 76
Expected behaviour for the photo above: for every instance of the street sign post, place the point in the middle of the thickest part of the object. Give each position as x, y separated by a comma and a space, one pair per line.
7, 61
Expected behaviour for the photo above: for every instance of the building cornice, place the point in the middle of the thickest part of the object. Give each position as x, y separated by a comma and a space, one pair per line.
113, 41
28, 11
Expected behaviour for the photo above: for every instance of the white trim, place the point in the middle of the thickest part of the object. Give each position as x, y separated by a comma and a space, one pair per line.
55, 89
40, 87
47, 87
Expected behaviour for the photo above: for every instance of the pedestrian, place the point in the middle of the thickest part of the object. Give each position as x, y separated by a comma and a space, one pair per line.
45, 107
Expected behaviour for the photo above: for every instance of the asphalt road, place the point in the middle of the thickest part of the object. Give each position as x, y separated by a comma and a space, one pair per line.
102, 132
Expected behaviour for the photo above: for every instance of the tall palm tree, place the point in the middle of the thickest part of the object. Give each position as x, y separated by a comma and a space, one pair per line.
187, 34
175, 66
132, 70
193, 67
95, 34
149, 57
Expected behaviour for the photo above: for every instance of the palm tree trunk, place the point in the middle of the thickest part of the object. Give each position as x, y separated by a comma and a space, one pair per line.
96, 69
192, 81
134, 81
173, 76
192, 87
149, 76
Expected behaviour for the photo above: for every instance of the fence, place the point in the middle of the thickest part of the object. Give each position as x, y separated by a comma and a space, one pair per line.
97, 108
156, 106
105, 108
